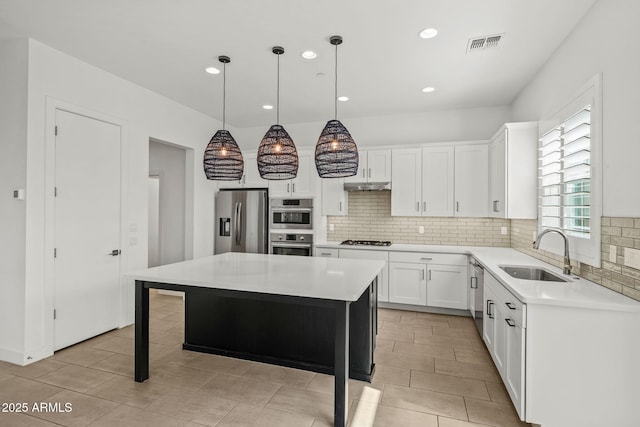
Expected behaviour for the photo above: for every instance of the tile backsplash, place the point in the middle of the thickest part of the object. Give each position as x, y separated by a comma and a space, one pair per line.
370, 219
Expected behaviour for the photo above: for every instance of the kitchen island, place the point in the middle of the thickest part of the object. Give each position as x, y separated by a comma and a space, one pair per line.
292, 311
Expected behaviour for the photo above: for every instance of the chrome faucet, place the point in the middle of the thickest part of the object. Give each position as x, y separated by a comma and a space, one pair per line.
567, 260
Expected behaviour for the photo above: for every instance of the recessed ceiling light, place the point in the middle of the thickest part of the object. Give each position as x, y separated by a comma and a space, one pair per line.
428, 89
309, 54
267, 107
343, 98
212, 70
428, 33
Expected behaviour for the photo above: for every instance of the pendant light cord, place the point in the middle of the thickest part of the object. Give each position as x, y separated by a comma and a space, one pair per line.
335, 98
224, 94
278, 94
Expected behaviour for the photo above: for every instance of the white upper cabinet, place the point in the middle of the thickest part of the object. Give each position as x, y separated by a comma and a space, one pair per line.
334, 198
406, 182
303, 185
250, 177
513, 177
437, 181
373, 166
471, 180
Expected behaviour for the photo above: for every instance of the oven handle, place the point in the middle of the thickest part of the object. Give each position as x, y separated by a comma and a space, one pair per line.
290, 245
289, 209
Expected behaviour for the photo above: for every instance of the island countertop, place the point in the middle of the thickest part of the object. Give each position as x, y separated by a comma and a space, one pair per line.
312, 277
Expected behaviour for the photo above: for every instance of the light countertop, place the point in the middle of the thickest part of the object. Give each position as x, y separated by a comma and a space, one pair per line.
577, 292
312, 277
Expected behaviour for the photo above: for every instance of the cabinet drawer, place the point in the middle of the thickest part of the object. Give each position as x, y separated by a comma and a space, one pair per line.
326, 252
512, 307
428, 258
364, 254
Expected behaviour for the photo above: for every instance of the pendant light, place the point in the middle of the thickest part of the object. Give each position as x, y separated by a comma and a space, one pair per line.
277, 154
222, 158
336, 151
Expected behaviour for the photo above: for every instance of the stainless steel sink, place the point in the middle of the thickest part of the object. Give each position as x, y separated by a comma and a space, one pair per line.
531, 273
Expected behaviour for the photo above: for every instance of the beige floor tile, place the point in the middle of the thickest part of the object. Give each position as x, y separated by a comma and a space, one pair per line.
12, 419
362, 390
4, 375
120, 364
134, 417
175, 316
450, 422
241, 389
462, 322
395, 335
126, 332
473, 356
95, 341
492, 413
449, 384
401, 360
180, 357
389, 315
447, 341
467, 370
163, 325
367, 414
165, 337
77, 378
83, 356
37, 369
498, 393
226, 365
390, 375
423, 321
19, 389
313, 403
457, 332
127, 391
384, 345
249, 415
424, 401
180, 376
279, 375
121, 345
405, 327
83, 411
435, 351
196, 407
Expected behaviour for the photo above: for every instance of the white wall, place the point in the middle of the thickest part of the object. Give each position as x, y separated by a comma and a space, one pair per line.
604, 41
435, 126
145, 114
13, 123
169, 163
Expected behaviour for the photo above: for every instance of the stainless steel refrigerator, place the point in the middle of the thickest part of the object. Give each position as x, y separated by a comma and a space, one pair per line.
242, 221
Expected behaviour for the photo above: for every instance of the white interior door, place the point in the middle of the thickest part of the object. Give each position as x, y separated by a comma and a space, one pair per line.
87, 228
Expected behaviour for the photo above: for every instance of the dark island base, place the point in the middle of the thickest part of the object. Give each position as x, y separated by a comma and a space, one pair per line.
289, 334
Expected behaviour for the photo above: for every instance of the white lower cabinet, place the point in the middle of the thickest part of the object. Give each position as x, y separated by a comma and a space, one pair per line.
383, 277
504, 335
447, 286
407, 283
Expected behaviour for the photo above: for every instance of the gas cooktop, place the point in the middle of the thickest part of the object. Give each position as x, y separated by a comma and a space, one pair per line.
367, 242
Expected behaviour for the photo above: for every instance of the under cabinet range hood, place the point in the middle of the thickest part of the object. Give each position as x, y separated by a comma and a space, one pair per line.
367, 186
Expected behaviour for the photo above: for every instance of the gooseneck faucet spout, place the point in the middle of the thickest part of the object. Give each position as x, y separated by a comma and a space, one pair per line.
567, 261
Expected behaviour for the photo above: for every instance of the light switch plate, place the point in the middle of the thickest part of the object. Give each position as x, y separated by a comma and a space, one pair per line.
332, 227
613, 253
632, 258
18, 194
503, 230
421, 229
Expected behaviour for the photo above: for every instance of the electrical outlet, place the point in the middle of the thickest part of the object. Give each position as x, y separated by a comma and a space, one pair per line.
632, 258
332, 227
421, 229
613, 253
503, 230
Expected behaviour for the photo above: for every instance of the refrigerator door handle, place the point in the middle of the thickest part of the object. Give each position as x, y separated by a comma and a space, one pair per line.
239, 223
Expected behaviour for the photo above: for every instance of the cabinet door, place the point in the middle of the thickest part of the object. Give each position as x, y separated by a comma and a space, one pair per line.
500, 339
334, 198
383, 277
379, 165
447, 286
514, 365
471, 180
498, 175
251, 177
437, 181
304, 183
279, 188
406, 181
407, 283
361, 176
231, 184
489, 318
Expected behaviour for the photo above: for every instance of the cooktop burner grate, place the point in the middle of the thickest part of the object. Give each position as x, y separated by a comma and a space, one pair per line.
367, 242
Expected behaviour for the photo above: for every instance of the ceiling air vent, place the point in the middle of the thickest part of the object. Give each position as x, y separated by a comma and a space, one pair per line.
485, 42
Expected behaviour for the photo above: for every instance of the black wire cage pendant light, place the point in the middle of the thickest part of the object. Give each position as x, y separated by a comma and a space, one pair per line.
277, 154
336, 152
222, 158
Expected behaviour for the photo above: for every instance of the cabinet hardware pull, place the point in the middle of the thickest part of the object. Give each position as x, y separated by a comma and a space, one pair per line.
369, 172
474, 283
421, 274
418, 206
457, 206
325, 253
510, 305
489, 313
426, 259
293, 187
424, 206
510, 323
288, 187
244, 179
429, 274
340, 206
363, 175
495, 205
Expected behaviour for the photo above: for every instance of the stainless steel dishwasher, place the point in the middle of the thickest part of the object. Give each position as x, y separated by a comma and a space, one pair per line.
476, 293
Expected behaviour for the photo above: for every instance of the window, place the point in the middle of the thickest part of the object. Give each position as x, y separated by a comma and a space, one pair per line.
570, 174
565, 175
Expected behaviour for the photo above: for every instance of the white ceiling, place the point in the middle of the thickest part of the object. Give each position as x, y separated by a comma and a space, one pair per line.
165, 45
